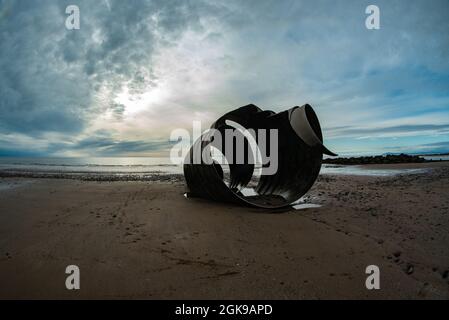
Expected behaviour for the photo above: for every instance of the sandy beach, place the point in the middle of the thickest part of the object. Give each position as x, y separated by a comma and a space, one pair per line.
145, 240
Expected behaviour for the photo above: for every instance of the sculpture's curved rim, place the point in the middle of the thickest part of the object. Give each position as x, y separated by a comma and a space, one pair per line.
302, 120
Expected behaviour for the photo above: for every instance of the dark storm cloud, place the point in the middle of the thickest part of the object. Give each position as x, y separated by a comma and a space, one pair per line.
36, 94
50, 76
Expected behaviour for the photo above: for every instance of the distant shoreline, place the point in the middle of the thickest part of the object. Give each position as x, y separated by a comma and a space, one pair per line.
434, 154
100, 169
95, 176
371, 169
387, 159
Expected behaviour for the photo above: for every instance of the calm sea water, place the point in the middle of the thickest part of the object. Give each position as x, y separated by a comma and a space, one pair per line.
145, 165
91, 164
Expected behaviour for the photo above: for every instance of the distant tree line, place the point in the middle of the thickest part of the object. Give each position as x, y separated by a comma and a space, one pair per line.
400, 158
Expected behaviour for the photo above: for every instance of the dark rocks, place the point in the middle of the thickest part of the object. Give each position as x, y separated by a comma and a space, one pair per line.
388, 159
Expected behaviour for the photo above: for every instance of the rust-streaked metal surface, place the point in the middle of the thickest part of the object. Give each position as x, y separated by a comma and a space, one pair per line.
300, 153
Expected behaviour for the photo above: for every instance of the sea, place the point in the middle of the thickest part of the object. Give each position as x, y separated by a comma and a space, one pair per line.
143, 166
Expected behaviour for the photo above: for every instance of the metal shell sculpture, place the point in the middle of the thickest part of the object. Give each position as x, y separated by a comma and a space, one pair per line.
296, 147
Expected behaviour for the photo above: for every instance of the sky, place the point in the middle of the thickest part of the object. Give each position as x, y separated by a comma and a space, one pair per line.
137, 70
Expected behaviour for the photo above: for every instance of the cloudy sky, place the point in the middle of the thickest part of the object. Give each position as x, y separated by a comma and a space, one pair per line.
136, 70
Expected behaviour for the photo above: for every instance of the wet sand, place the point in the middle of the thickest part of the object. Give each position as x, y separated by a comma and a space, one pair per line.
146, 240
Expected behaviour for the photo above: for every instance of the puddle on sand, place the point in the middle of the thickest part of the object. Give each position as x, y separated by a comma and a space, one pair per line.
9, 185
305, 206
